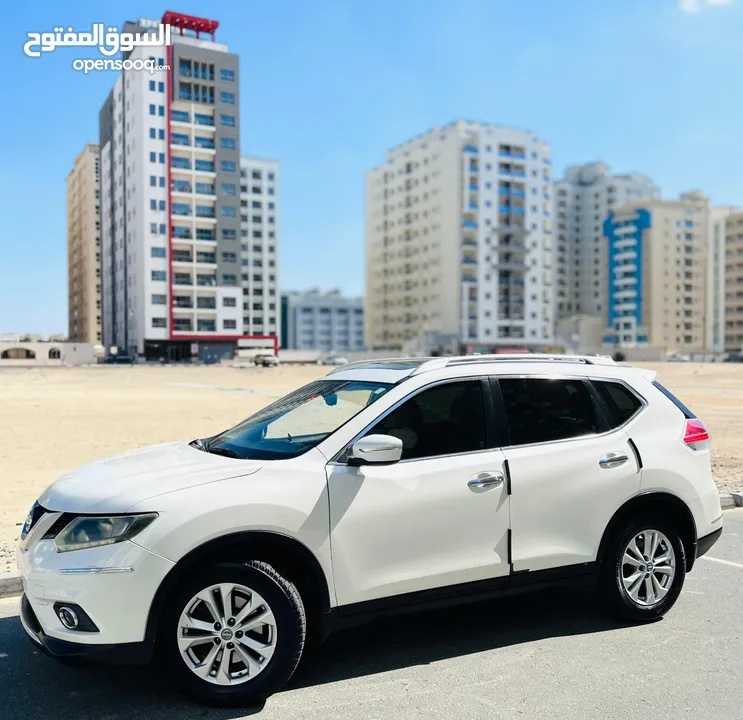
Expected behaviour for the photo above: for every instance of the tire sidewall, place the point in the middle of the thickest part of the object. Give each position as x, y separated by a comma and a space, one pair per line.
290, 632
615, 587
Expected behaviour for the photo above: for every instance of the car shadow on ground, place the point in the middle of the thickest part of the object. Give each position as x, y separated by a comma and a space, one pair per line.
35, 685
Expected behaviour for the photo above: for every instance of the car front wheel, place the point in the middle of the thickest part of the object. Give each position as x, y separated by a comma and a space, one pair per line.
234, 634
644, 570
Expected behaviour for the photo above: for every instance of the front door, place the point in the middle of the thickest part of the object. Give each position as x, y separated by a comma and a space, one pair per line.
439, 517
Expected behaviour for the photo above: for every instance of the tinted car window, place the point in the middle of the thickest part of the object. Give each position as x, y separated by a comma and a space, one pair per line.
547, 410
621, 402
444, 420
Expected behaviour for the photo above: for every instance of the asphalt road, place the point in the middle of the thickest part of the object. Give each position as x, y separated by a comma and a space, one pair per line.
553, 655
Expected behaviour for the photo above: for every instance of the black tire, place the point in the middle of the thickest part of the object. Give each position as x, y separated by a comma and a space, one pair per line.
612, 588
291, 626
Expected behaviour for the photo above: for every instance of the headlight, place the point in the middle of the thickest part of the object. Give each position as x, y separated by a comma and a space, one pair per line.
88, 532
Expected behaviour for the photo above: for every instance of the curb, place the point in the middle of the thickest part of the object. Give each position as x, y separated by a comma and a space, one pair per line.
10, 585
727, 501
737, 498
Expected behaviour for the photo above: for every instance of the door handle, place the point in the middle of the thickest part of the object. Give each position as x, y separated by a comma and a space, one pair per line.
612, 460
486, 479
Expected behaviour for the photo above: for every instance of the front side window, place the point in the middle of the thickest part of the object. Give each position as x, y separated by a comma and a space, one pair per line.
540, 410
443, 420
298, 422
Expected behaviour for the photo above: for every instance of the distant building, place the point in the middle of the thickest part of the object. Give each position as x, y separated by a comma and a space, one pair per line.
84, 247
322, 321
459, 239
18, 351
659, 276
734, 282
583, 200
259, 251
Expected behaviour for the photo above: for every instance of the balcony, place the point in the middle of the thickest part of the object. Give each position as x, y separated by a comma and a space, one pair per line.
467, 277
469, 224
203, 234
181, 210
180, 139
467, 260
469, 149
206, 258
206, 303
205, 189
473, 187
203, 211
471, 242
180, 163
204, 166
202, 142
180, 116
182, 279
203, 325
182, 302
182, 256
185, 95
206, 280
201, 119
182, 324
504, 153
181, 186
181, 233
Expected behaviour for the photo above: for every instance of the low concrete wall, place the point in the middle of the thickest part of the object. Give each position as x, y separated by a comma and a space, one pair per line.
46, 354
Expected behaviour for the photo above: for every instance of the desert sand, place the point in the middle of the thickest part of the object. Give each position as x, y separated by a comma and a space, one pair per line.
55, 419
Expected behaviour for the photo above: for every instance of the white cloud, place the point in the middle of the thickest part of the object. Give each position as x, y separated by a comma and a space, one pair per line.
691, 7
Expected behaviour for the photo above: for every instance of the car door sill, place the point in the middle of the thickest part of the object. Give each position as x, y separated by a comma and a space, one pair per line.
358, 613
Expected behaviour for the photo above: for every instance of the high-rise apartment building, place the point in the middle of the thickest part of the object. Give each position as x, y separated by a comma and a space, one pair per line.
659, 275
459, 239
583, 200
170, 191
324, 321
734, 282
84, 247
259, 251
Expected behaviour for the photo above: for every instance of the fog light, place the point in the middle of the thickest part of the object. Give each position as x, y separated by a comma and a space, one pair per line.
68, 617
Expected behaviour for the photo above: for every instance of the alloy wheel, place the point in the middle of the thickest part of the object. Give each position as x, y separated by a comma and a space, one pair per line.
227, 634
648, 568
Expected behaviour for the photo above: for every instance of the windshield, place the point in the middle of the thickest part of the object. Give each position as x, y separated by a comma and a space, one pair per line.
299, 421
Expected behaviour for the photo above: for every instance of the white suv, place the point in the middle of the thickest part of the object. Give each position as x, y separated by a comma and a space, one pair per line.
386, 486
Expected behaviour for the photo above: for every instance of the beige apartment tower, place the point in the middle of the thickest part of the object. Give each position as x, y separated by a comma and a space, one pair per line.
665, 275
84, 247
734, 282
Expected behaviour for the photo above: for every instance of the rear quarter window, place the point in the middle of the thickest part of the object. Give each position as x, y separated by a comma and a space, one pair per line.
620, 401
688, 414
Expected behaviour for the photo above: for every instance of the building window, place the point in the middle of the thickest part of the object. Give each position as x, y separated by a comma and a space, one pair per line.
153, 228
153, 133
162, 182
229, 302
161, 87
229, 211
161, 110
227, 120
163, 229
270, 176
229, 189
158, 252
159, 322
153, 157
153, 204
227, 97
152, 109
229, 257
229, 234
229, 324
227, 143
158, 275
158, 299
228, 75
161, 158
152, 85
229, 279
228, 166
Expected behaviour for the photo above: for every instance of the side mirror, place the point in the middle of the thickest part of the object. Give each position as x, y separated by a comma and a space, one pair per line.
376, 449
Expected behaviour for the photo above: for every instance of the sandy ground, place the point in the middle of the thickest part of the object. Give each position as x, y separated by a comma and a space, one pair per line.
53, 420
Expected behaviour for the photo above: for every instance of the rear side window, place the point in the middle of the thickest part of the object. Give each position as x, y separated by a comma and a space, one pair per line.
621, 402
688, 414
547, 410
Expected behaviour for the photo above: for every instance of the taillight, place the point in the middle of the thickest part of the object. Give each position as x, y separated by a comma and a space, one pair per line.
695, 434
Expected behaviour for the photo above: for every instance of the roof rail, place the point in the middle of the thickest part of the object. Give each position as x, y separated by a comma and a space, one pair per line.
394, 361
533, 357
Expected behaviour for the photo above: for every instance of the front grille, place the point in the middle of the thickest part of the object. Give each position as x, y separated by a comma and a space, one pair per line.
37, 512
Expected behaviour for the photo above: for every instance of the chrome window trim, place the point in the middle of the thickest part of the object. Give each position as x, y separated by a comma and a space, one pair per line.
445, 381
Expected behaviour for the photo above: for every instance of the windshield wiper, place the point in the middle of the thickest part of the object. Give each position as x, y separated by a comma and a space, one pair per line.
227, 452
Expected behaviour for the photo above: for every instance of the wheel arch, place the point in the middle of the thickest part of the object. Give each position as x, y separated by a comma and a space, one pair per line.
287, 555
666, 504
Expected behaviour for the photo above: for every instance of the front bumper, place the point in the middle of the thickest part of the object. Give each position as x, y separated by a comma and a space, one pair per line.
121, 654
114, 585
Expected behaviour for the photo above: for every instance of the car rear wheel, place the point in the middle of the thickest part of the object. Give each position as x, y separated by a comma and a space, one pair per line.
644, 570
233, 634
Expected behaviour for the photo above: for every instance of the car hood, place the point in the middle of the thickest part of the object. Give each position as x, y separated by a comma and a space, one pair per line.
116, 483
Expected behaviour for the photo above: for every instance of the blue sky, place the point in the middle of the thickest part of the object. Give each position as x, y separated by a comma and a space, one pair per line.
327, 87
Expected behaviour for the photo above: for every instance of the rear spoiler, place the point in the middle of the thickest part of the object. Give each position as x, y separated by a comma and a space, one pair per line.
649, 375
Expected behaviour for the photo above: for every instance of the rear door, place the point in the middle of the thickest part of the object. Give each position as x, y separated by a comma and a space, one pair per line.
571, 467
